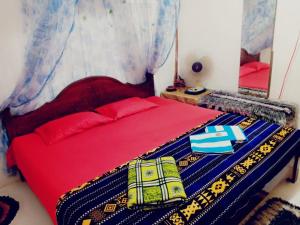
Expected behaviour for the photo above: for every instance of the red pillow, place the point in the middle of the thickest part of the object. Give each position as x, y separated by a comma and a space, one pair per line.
125, 107
66, 126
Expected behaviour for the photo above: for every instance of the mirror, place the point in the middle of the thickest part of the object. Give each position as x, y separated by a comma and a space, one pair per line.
256, 48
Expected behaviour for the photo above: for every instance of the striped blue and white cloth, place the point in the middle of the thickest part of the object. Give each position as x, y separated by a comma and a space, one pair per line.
235, 133
213, 142
217, 139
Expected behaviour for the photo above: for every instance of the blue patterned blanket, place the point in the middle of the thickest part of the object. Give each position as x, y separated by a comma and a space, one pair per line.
216, 185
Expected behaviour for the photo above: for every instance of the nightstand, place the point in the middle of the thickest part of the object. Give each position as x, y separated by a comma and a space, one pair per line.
180, 96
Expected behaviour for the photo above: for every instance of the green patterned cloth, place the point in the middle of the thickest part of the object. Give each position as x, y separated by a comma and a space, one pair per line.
154, 183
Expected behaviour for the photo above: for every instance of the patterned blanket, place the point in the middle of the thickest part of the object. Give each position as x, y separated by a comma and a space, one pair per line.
216, 185
154, 183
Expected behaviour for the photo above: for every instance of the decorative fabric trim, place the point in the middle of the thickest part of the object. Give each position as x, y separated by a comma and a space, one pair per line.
272, 111
253, 92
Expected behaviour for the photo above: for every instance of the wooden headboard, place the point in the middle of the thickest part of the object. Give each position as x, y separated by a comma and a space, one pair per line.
83, 95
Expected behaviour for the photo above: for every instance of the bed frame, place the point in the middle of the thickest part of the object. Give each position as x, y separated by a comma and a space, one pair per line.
82, 95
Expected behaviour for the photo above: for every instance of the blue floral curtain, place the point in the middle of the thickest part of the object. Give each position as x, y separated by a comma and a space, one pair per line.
72, 39
258, 25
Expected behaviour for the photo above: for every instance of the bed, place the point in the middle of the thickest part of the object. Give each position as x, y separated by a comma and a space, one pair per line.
82, 179
254, 78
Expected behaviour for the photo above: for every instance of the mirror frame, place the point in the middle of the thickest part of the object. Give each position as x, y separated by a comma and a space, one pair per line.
254, 56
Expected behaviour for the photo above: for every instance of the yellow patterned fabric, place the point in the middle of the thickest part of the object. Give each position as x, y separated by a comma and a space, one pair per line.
154, 183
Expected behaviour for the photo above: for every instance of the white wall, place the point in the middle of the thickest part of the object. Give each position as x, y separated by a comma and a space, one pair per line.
209, 31
12, 44
164, 77
287, 28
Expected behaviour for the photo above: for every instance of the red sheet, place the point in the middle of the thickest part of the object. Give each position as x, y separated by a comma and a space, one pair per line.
255, 76
55, 169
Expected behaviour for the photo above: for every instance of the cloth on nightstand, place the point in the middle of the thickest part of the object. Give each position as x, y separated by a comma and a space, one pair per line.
154, 183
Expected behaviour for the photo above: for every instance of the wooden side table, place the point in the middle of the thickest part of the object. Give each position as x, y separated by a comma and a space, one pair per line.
180, 96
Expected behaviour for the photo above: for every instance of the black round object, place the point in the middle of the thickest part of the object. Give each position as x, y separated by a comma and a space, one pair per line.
197, 67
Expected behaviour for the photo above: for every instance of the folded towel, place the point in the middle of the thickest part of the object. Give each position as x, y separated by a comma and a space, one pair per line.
216, 142
154, 183
235, 133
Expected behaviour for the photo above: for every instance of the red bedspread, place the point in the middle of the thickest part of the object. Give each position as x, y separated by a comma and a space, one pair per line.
55, 169
255, 75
